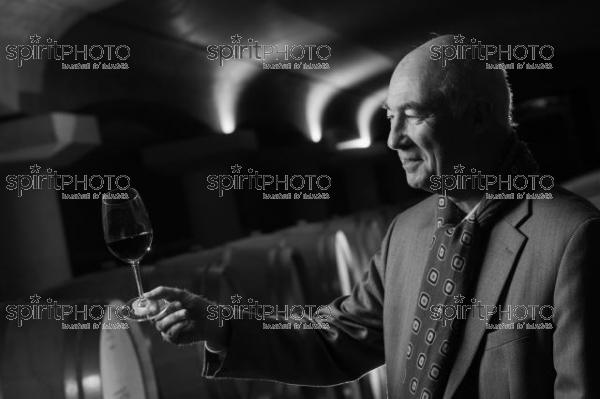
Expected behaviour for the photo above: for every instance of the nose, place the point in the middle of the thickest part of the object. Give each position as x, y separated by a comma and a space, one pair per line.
397, 136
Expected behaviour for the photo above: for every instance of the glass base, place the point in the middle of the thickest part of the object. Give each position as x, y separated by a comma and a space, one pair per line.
142, 309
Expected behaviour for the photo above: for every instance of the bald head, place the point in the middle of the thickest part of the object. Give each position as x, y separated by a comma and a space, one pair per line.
458, 83
446, 114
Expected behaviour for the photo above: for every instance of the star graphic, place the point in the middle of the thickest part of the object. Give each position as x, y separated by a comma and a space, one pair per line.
236, 298
35, 168
34, 39
236, 169
459, 168
236, 39
35, 298
459, 298
458, 39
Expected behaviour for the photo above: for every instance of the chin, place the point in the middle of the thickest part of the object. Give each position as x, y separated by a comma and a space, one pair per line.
418, 180
415, 181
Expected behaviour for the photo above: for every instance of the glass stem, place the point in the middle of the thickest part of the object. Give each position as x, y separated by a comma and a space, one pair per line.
138, 277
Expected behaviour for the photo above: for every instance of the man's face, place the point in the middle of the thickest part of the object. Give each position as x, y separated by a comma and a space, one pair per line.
427, 139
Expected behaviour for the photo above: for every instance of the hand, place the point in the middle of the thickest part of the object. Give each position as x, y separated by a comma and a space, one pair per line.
184, 320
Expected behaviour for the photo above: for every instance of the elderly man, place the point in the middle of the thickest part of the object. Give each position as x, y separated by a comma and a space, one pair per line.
469, 296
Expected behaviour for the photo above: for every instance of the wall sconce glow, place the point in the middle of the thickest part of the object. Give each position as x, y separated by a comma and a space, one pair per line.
317, 99
367, 110
363, 142
361, 67
230, 81
227, 120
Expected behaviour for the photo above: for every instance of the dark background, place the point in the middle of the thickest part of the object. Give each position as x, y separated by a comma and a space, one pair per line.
174, 117
159, 123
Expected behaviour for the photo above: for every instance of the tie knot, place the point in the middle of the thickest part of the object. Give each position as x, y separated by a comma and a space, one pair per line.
448, 213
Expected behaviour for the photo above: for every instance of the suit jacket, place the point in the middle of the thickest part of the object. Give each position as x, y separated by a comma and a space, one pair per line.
541, 253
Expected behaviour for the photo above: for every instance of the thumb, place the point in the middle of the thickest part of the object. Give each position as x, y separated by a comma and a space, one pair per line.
169, 293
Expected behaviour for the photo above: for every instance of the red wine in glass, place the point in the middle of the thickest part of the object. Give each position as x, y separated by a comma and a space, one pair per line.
128, 235
132, 248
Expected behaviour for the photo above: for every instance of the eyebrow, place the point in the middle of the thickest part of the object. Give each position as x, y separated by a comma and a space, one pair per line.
408, 105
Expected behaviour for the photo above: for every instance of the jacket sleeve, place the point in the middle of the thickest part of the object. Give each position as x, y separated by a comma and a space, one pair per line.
349, 344
575, 295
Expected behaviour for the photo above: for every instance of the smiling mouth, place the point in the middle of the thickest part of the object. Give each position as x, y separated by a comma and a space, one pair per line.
410, 161
410, 164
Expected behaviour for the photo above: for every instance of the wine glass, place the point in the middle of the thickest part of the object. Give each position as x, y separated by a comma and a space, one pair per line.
128, 235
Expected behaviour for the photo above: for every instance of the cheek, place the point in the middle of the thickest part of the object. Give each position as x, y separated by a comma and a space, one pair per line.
424, 137
443, 146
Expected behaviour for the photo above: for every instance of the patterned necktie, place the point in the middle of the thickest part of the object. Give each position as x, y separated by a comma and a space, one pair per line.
456, 252
452, 264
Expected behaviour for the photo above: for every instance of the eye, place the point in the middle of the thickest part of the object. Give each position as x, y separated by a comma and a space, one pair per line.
415, 116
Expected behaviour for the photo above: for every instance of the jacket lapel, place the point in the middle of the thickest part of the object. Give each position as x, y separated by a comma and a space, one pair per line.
504, 247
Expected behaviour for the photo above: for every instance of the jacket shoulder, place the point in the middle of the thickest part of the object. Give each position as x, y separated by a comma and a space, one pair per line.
565, 207
419, 215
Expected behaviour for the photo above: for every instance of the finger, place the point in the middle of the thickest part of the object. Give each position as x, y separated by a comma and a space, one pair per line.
172, 334
172, 307
168, 293
168, 321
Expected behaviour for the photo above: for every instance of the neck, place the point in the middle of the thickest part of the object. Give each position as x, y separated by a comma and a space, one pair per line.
467, 201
